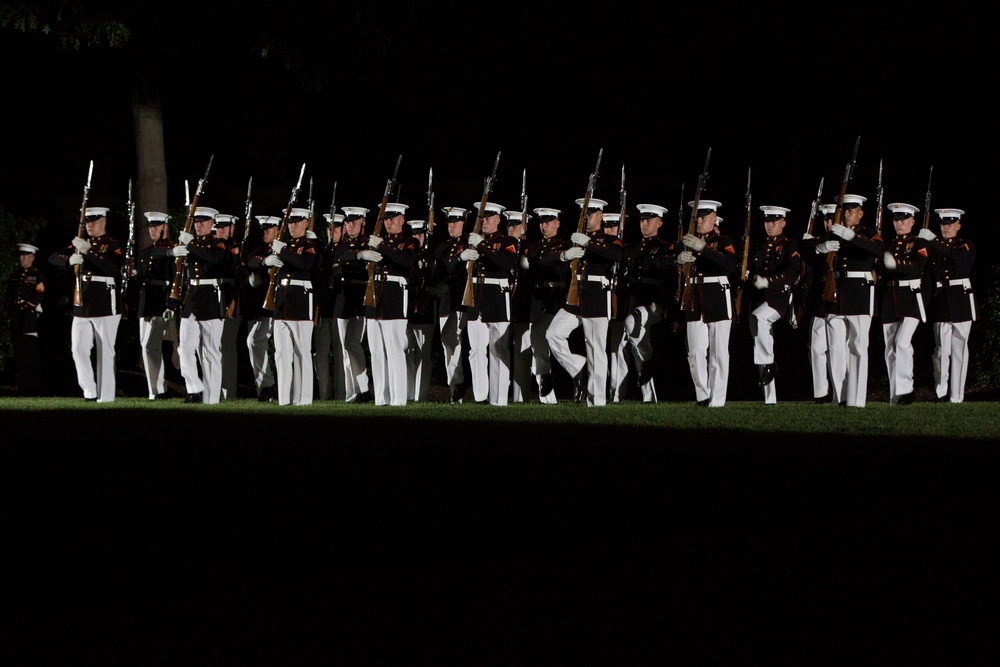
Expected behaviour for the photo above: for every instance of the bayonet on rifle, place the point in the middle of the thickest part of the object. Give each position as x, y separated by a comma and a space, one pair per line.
830, 292
370, 299
273, 271
744, 257
468, 297
927, 200
573, 294
687, 298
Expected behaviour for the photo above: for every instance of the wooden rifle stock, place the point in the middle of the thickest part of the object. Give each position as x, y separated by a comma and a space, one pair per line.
175, 287
830, 291
744, 257
272, 272
687, 296
469, 296
573, 293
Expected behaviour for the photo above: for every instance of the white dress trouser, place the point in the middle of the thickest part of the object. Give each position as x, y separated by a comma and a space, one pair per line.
419, 368
899, 356
151, 330
595, 336
762, 321
259, 332
521, 360
819, 360
708, 359
450, 327
951, 359
489, 359
387, 344
352, 333
293, 361
848, 348
201, 342
541, 354
90, 333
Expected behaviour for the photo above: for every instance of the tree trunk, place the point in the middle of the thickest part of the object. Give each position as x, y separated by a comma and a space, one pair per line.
151, 162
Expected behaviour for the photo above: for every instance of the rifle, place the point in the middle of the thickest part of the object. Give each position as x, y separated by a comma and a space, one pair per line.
680, 235
745, 257
323, 284
830, 293
241, 270
573, 294
878, 201
468, 298
175, 289
621, 234
927, 200
687, 298
78, 287
273, 271
390, 184
129, 265
800, 309
311, 205
524, 226
427, 251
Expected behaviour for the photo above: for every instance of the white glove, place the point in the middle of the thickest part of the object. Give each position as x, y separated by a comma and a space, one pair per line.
169, 315
807, 236
254, 279
81, 244
889, 261
475, 239
273, 260
580, 239
311, 234
843, 231
374, 241
179, 251
927, 235
277, 246
686, 257
38, 308
75, 259
185, 237
469, 255
370, 256
694, 243
760, 282
570, 254
828, 247
525, 264
134, 273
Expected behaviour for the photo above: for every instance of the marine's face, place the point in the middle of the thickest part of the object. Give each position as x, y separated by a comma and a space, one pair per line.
706, 223
903, 226
774, 227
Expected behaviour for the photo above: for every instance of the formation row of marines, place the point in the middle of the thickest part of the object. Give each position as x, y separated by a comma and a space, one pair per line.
520, 323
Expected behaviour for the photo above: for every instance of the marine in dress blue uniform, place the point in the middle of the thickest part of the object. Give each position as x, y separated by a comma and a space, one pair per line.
25, 296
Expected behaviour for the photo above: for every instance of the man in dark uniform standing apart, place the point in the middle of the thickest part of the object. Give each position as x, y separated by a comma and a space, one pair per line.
223, 229
422, 317
775, 267
953, 304
25, 296
350, 309
649, 263
597, 252
547, 278
849, 319
520, 313
488, 326
155, 272
903, 264
95, 323
394, 256
712, 256
296, 262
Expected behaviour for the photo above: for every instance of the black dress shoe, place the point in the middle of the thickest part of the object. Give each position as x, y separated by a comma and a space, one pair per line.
580, 386
823, 399
193, 398
545, 384
268, 394
457, 393
767, 374
704, 403
485, 401
90, 400
647, 373
904, 399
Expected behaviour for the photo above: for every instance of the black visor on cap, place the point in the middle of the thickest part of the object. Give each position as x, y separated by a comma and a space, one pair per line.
611, 223
593, 209
155, 223
297, 218
201, 218
901, 215
353, 217
25, 252
223, 223
93, 218
646, 215
848, 207
547, 218
702, 212
949, 220
771, 217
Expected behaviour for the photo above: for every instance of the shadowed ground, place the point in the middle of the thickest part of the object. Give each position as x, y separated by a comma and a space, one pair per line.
486, 546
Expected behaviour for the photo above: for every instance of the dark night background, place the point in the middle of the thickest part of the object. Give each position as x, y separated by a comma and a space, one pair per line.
337, 539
